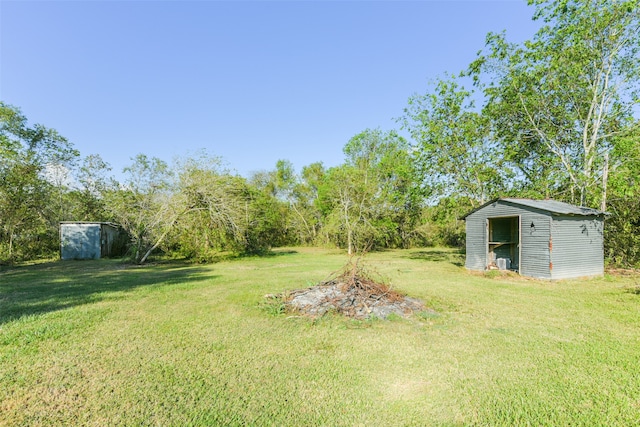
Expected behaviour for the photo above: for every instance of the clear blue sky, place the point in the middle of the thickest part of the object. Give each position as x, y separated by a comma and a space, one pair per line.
249, 81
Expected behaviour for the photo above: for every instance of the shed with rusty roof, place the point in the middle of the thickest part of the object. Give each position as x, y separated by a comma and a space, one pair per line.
545, 239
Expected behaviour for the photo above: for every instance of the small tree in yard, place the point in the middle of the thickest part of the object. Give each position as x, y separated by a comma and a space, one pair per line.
373, 199
351, 207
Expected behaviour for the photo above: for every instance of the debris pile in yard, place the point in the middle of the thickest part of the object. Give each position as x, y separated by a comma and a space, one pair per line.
352, 293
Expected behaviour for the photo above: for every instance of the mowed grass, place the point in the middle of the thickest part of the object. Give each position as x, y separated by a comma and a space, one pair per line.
102, 343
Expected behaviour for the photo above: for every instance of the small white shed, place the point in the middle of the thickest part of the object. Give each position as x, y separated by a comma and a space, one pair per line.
88, 240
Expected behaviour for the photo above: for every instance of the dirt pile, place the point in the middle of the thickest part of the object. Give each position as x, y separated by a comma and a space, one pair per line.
352, 293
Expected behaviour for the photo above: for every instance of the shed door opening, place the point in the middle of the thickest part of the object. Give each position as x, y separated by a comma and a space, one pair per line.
503, 247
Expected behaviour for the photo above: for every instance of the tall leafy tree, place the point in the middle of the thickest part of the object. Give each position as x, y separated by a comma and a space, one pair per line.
399, 196
272, 194
211, 208
308, 219
349, 207
26, 154
294, 199
622, 227
292, 190
92, 183
558, 101
372, 199
278, 182
142, 205
454, 149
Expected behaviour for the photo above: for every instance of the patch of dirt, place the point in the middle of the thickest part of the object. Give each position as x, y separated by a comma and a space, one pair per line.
352, 293
623, 272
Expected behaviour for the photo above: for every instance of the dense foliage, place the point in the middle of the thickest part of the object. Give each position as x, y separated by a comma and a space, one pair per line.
554, 117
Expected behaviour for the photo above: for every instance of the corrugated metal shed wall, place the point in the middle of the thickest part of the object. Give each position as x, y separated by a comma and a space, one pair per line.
534, 243
476, 242
577, 247
110, 234
80, 241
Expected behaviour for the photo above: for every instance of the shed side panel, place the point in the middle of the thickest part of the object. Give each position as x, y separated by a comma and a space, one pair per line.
108, 239
534, 244
477, 230
476, 242
577, 247
79, 241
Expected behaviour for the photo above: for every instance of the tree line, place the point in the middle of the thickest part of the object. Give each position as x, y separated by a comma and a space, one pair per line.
554, 117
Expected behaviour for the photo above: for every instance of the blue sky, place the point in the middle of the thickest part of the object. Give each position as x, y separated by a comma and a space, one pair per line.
249, 81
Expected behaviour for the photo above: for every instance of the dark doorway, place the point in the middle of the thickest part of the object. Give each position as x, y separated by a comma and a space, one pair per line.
503, 248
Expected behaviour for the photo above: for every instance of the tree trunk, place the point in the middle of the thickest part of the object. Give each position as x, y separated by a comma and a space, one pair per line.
605, 178
146, 255
11, 244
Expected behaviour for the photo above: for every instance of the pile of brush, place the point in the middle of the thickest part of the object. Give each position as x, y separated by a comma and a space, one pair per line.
351, 292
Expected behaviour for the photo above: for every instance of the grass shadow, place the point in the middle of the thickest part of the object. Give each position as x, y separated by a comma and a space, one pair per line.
453, 256
42, 288
635, 289
270, 253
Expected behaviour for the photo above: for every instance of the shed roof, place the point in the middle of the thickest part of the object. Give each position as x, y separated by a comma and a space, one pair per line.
111, 224
552, 206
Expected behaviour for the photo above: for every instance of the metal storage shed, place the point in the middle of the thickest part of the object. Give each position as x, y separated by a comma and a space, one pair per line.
538, 238
89, 240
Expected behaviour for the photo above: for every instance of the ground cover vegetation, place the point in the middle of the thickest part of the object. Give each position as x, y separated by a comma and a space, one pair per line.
554, 117
111, 343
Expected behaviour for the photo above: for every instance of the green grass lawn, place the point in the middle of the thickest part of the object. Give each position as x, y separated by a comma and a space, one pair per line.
103, 343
